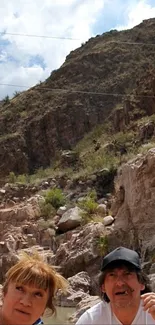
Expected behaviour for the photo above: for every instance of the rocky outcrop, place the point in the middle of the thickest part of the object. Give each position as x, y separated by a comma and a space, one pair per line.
101, 181
13, 155
135, 204
78, 289
81, 250
146, 131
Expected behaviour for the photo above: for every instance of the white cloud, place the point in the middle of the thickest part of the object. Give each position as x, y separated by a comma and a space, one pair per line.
137, 12
62, 18
3, 56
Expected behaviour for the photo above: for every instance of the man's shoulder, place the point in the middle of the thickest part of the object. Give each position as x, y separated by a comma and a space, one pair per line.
100, 306
98, 314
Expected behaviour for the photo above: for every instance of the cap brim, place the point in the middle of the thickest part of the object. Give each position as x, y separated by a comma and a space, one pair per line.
119, 261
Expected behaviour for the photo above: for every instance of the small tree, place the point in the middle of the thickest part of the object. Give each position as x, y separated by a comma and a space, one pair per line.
6, 99
16, 93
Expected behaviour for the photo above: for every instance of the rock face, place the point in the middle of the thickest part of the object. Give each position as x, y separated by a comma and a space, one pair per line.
135, 204
19, 229
79, 250
34, 125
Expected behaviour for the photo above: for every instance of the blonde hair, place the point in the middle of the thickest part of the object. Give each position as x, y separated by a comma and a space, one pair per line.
32, 270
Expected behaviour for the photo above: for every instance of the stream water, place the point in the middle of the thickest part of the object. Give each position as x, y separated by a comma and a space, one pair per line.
61, 318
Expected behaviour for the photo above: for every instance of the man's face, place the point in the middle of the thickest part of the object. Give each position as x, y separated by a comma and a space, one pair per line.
23, 304
122, 287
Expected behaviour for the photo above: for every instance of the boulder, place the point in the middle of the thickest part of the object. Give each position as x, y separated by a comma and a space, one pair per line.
80, 281
70, 299
108, 220
78, 250
101, 210
61, 211
70, 219
79, 288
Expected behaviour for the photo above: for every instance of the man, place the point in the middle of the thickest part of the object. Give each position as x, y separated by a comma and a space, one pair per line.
127, 296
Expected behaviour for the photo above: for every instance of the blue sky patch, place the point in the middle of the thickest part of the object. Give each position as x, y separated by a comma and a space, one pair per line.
3, 43
37, 60
114, 14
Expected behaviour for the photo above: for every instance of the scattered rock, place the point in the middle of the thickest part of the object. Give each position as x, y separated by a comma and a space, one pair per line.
2, 191
61, 211
108, 220
101, 210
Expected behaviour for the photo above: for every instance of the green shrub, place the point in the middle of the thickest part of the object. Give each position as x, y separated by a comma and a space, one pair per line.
89, 205
47, 210
54, 197
86, 218
12, 177
93, 195
102, 244
44, 224
22, 178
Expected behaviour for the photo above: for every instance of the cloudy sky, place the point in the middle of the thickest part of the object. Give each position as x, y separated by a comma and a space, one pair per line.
27, 60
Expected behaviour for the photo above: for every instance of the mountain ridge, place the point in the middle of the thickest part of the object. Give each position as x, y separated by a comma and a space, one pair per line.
38, 123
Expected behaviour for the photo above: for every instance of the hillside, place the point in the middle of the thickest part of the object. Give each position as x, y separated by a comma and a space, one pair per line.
56, 114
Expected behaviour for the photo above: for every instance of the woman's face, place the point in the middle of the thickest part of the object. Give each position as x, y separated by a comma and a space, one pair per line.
23, 304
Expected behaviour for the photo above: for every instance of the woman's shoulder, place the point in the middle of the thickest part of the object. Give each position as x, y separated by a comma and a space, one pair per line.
38, 322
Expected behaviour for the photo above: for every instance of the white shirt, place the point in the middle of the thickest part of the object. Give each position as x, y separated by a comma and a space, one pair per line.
101, 314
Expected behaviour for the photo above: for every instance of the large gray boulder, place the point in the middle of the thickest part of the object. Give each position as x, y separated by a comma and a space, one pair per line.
70, 219
78, 289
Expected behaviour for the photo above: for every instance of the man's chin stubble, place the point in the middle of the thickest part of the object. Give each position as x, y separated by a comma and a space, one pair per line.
123, 305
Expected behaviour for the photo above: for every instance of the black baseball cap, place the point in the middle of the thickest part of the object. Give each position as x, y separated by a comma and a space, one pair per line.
121, 254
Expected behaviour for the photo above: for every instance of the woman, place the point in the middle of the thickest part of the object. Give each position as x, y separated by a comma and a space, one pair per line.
29, 288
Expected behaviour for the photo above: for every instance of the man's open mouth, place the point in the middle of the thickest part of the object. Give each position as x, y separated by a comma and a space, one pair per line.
121, 293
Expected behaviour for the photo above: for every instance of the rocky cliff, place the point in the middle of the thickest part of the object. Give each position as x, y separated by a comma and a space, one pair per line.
57, 113
77, 249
